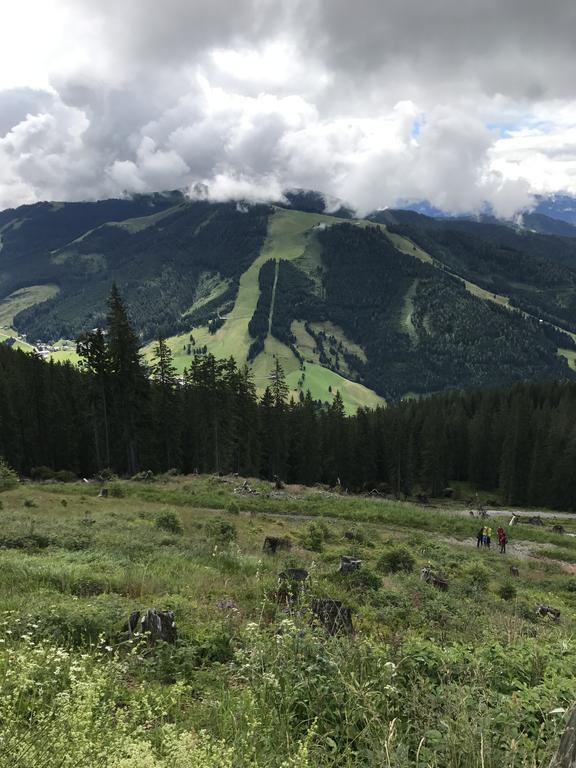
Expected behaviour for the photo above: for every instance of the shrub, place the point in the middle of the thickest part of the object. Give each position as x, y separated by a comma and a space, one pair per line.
362, 580
233, 508
116, 491
315, 536
29, 503
168, 520
507, 592
396, 559
65, 476
41, 473
220, 531
478, 575
8, 478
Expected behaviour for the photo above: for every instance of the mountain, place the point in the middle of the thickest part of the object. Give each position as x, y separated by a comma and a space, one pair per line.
551, 215
396, 305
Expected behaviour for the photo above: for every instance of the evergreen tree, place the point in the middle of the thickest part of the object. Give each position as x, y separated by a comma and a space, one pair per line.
128, 380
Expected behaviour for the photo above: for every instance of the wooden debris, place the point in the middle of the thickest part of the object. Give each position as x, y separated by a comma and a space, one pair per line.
547, 610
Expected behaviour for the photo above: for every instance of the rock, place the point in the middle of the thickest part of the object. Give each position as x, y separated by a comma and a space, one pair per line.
535, 520
157, 625
348, 564
333, 616
514, 571
273, 543
558, 529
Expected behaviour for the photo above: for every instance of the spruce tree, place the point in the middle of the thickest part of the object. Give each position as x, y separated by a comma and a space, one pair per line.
128, 383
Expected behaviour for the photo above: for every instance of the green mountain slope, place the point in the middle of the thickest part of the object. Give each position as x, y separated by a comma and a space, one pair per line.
376, 309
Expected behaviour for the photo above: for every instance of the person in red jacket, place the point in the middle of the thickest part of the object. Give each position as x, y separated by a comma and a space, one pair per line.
502, 540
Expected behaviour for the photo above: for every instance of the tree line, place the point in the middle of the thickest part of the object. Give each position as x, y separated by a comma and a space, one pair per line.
114, 411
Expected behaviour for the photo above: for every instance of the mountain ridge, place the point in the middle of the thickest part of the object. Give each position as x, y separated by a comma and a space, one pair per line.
394, 305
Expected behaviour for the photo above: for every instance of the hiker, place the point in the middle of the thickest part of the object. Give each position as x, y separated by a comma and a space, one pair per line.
488, 536
479, 537
485, 536
502, 540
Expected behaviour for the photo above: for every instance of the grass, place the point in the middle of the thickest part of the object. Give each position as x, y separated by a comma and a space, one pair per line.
457, 678
23, 299
288, 238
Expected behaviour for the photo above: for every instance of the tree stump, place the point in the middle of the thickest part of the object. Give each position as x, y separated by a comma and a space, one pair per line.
333, 616
431, 578
272, 544
293, 574
103, 493
565, 757
514, 570
157, 625
348, 564
558, 529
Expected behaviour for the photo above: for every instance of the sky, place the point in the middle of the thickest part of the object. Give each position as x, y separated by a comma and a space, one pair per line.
459, 102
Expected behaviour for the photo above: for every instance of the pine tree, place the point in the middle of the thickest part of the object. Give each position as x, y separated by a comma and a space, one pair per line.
165, 406
128, 382
95, 360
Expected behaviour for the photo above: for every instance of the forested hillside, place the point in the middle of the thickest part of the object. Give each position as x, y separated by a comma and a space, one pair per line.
519, 442
379, 310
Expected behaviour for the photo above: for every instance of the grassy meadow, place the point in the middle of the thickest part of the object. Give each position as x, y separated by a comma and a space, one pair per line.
468, 677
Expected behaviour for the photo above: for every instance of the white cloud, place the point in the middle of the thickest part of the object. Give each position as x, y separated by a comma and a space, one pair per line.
369, 104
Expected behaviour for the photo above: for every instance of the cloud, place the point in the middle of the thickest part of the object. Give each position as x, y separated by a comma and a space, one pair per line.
373, 105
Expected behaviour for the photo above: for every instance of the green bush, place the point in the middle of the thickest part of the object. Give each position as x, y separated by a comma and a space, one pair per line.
361, 580
116, 491
220, 531
65, 476
168, 520
477, 575
507, 592
315, 536
8, 478
396, 559
233, 508
42, 473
